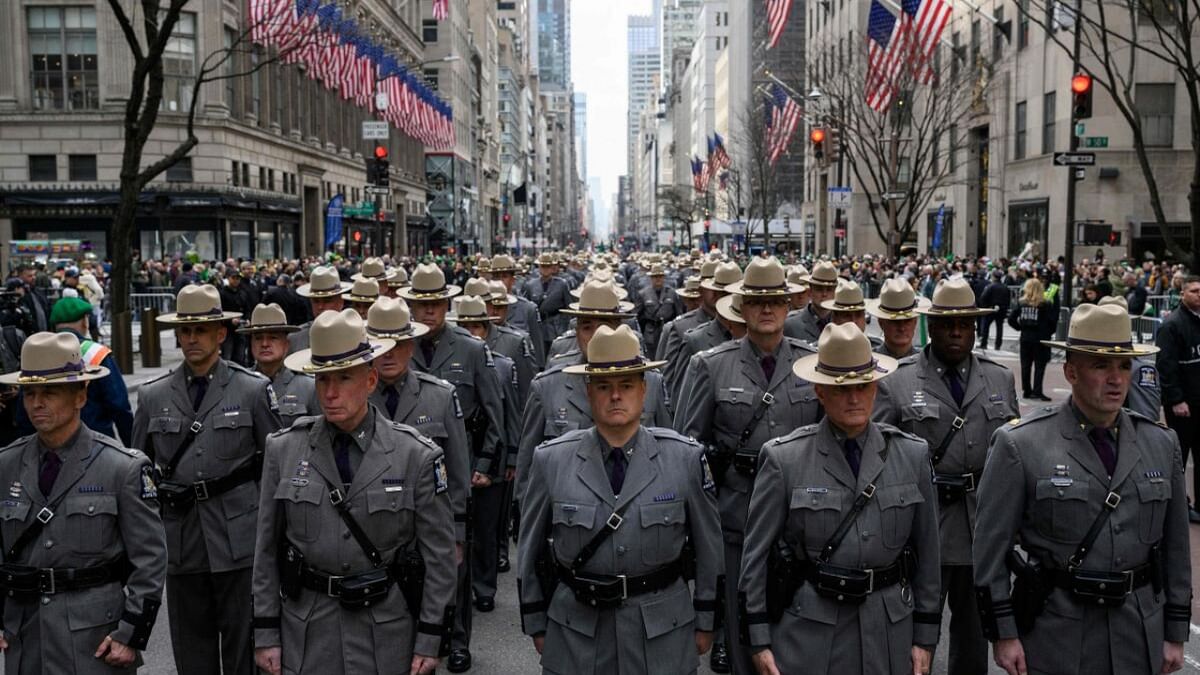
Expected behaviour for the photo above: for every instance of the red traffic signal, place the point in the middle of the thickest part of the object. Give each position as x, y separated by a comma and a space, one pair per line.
380, 152
817, 135
507, 217
1081, 96
1081, 83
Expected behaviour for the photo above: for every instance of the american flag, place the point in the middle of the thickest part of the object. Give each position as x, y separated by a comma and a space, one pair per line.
441, 9
720, 158
926, 21
723, 180
783, 116
697, 174
885, 54
777, 18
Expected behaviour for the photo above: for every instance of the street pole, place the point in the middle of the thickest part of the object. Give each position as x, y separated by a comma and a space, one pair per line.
893, 165
837, 212
1072, 146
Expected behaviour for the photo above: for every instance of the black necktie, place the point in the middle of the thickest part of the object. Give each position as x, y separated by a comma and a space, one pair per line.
428, 347
393, 401
853, 455
956, 385
1102, 442
341, 457
617, 478
768, 366
199, 387
51, 465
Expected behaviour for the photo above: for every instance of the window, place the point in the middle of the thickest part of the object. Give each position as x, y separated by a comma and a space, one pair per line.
181, 171
245, 175
231, 90
81, 167
954, 42
236, 174
1048, 123
1156, 110
254, 106
62, 50
429, 30
43, 168
278, 94
271, 179
952, 154
262, 177
431, 78
1019, 132
179, 65
998, 39
1160, 12
1023, 24
975, 46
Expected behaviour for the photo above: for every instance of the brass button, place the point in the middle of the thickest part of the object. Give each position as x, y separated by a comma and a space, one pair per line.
91, 509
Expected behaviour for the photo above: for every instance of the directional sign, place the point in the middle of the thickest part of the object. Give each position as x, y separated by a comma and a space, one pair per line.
1074, 159
376, 190
894, 196
374, 130
839, 197
1095, 142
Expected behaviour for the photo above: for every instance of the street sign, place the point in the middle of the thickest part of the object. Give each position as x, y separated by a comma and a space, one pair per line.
1080, 173
1095, 142
839, 197
376, 190
381, 100
894, 196
1074, 159
374, 131
1079, 129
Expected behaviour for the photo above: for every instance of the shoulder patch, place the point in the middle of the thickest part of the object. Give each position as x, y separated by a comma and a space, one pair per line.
672, 435
489, 360
707, 482
272, 399
440, 480
1147, 377
149, 489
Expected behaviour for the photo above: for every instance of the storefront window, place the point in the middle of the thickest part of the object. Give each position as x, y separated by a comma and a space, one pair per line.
239, 240
287, 241
178, 243
266, 241
1028, 222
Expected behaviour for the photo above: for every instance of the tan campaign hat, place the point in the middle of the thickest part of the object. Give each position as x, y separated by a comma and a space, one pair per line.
399, 278
503, 263
847, 298
324, 282
730, 307
897, 301
364, 291
954, 297
390, 318
373, 268
268, 319
796, 276
726, 274
691, 288
477, 286
198, 303
600, 299
604, 277
471, 309
764, 277
824, 274
657, 270
843, 357
338, 341
613, 352
500, 295
52, 358
547, 258
708, 268
1100, 330
429, 283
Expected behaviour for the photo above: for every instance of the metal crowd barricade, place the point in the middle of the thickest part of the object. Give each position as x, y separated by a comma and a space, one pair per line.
1160, 303
1145, 328
161, 302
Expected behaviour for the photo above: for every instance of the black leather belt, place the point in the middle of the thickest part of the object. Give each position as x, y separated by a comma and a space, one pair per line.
952, 487
22, 580
1107, 589
850, 584
335, 586
182, 496
610, 590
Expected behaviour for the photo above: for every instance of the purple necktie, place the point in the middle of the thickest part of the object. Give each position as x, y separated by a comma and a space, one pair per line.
853, 455
51, 465
199, 389
1102, 442
428, 347
768, 366
956, 385
617, 478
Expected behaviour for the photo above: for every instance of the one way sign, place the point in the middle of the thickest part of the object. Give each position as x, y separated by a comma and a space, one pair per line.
1075, 159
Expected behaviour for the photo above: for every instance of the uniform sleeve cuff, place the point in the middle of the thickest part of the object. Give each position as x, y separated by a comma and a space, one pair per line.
427, 645
1177, 631
460, 533
1007, 628
124, 633
267, 637
532, 624
760, 635
925, 634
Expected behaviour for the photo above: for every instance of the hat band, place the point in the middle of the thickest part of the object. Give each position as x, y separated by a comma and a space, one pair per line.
898, 310
1116, 346
328, 289
615, 365
849, 372
51, 373
324, 360
215, 311
474, 317
428, 291
601, 310
753, 289
953, 308
856, 307
254, 326
822, 282
408, 328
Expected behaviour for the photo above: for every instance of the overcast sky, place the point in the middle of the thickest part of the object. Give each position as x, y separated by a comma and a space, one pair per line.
598, 67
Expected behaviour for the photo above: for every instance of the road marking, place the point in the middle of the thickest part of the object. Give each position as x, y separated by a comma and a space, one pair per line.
1191, 662
1195, 629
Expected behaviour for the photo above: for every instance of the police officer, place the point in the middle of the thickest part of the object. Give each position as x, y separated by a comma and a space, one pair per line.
609, 509
1145, 392
205, 425
848, 306
349, 499
672, 332
269, 330
738, 395
656, 306
798, 276
522, 314
847, 505
806, 324
453, 354
501, 339
398, 280
557, 403
726, 275
955, 399
324, 292
687, 297
550, 293
729, 324
1096, 497
84, 553
896, 309
375, 270
361, 296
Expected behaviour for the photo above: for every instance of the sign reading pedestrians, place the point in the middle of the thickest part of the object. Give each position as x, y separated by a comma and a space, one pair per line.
839, 197
1075, 159
374, 131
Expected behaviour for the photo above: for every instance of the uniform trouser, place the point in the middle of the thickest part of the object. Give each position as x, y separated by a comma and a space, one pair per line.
968, 648
1033, 355
739, 655
460, 635
986, 326
487, 521
505, 520
210, 614
1188, 430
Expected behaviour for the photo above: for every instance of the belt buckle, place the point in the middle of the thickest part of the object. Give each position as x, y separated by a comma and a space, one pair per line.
970, 482
614, 521
47, 573
44, 515
1129, 582
329, 586
768, 398
870, 581
1112, 500
958, 422
196, 427
869, 491
625, 586
201, 490
336, 497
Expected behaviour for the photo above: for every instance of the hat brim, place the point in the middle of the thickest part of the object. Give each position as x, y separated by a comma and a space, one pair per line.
1111, 352
805, 368
874, 309
930, 310
739, 287
365, 299
725, 310
624, 311
379, 280
683, 293
452, 317
277, 328
175, 320
305, 291
408, 293
301, 361
416, 330
832, 306
711, 285
505, 301
89, 373
809, 280
585, 369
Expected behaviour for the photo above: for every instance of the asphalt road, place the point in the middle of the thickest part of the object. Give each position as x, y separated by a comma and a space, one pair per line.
499, 646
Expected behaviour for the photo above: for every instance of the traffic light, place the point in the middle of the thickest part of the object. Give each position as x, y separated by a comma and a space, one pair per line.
834, 141
1081, 96
372, 171
381, 167
507, 218
817, 136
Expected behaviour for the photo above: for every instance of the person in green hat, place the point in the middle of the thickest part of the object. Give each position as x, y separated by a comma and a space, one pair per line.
107, 410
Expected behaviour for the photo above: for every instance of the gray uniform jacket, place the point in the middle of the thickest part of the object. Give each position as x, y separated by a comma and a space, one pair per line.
655, 309
670, 495
558, 403
467, 363
881, 348
703, 337
804, 324
517, 346
506, 377
804, 489
297, 395
430, 405
569, 341
298, 341
524, 317
237, 413
551, 298
108, 509
1044, 485
917, 399
672, 336
399, 497
1145, 393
